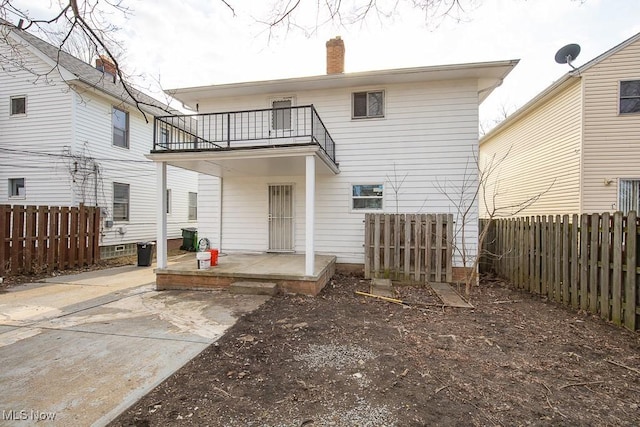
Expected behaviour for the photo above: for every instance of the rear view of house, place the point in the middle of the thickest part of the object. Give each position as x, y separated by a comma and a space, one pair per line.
293, 165
576, 145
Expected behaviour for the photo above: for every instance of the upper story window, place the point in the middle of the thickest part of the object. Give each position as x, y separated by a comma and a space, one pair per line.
18, 105
120, 122
366, 197
368, 104
17, 187
630, 97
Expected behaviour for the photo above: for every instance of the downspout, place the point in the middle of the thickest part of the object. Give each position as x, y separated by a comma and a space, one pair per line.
72, 148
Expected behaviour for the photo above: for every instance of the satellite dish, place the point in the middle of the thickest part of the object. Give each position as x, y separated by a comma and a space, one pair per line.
567, 54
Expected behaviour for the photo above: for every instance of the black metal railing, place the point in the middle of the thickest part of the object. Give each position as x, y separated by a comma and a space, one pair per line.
243, 129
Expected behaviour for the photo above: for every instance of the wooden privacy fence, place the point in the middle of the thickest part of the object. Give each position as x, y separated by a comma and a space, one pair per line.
588, 262
413, 247
34, 239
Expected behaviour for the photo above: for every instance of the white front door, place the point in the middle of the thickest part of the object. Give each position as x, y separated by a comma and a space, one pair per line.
281, 218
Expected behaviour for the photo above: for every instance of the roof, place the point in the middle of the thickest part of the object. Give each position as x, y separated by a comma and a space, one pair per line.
556, 87
88, 74
490, 75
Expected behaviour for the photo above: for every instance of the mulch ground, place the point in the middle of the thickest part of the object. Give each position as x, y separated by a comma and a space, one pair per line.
339, 359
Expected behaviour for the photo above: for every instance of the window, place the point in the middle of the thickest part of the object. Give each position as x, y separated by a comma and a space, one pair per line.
18, 105
630, 97
368, 104
16, 187
193, 206
629, 195
366, 197
120, 121
168, 201
281, 118
120, 202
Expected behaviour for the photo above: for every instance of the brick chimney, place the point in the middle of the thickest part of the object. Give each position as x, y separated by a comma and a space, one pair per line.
104, 64
335, 56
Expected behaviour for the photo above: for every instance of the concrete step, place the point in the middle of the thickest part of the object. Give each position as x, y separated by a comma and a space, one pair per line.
253, 288
382, 287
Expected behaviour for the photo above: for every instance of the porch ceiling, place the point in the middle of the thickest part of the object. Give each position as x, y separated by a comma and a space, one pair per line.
270, 161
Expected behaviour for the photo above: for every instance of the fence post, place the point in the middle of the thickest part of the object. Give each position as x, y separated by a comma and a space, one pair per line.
376, 245
367, 246
630, 293
5, 233
593, 261
616, 283
605, 271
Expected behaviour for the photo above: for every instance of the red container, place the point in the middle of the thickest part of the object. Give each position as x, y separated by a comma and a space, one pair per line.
214, 257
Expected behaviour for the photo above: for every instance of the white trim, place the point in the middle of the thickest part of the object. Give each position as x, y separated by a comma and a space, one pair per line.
310, 194
161, 191
26, 101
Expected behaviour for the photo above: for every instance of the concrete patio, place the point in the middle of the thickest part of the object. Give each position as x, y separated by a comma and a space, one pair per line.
79, 349
286, 270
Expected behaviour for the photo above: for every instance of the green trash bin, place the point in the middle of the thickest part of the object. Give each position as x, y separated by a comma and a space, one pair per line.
189, 239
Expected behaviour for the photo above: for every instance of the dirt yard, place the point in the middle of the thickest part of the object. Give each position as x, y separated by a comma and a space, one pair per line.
345, 360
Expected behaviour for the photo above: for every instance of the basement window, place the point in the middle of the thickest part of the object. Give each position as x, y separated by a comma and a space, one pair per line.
366, 197
368, 104
630, 97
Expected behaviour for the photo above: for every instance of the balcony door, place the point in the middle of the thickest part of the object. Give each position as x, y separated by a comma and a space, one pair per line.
281, 117
281, 218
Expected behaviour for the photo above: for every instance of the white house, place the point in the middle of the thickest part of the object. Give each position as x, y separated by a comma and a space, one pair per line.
70, 135
292, 165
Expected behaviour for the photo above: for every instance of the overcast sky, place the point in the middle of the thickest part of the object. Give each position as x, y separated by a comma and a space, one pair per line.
200, 42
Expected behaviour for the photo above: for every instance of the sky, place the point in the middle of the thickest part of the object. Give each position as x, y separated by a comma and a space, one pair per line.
184, 43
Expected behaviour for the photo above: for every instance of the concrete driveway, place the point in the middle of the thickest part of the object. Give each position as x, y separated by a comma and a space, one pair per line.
82, 348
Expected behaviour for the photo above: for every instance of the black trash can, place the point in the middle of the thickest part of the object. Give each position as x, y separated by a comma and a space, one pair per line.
145, 253
189, 239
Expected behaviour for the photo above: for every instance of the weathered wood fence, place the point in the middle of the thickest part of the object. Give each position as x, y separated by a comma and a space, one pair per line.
412, 247
588, 262
34, 239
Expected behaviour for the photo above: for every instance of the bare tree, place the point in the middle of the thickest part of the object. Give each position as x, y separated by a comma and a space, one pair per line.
86, 28
479, 182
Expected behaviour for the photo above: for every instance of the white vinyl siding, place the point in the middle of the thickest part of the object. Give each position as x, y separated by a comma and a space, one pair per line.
66, 120
611, 140
28, 141
536, 155
429, 134
93, 115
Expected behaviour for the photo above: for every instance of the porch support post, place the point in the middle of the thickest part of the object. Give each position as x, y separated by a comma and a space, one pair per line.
161, 219
310, 214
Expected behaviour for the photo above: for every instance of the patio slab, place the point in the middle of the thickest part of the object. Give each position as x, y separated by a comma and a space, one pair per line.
286, 270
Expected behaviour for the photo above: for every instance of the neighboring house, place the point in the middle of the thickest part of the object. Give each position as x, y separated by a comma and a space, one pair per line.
292, 165
576, 144
70, 135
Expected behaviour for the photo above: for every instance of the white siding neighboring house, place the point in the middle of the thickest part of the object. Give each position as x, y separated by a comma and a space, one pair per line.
69, 135
265, 188
576, 144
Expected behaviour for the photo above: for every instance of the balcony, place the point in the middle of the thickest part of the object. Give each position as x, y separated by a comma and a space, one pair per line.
243, 130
